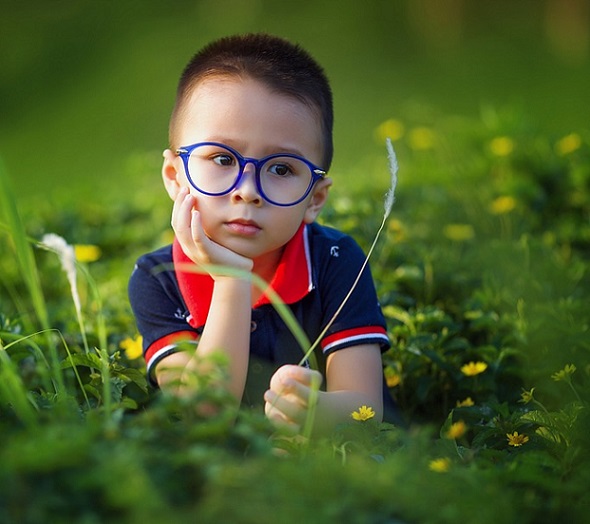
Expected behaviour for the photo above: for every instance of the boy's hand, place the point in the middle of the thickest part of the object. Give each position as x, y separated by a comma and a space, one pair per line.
186, 222
290, 395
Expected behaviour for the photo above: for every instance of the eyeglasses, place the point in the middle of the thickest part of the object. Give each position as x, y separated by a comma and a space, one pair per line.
216, 169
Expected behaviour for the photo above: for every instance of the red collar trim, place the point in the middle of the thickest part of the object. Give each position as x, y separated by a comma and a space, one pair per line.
292, 279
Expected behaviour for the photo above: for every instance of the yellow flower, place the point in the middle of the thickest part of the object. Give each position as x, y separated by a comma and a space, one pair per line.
502, 205
364, 413
459, 232
132, 346
393, 379
565, 373
473, 368
502, 146
421, 138
391, 128
516, 439
568, 144
397, 229
527, 396
440, 465
87, 252
393, 376
465, 403
457, 430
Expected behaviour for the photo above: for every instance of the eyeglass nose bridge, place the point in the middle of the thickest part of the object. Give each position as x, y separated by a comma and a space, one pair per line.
256, 162
243, 162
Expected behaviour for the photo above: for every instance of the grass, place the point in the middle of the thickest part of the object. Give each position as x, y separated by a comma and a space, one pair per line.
482, 271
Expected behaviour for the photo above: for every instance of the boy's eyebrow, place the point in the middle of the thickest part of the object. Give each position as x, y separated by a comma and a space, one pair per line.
240, 146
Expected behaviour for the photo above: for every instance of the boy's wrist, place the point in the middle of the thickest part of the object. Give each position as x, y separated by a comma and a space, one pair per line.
237, 279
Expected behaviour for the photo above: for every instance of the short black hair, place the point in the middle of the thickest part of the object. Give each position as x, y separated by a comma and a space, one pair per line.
282, 66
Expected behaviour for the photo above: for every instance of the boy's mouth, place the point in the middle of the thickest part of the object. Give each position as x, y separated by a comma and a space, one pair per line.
243, 227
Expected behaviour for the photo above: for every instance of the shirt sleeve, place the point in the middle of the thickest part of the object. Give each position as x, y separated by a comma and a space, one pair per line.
360, 321
159, 310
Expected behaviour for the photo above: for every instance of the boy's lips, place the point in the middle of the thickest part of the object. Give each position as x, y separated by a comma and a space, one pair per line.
243, 227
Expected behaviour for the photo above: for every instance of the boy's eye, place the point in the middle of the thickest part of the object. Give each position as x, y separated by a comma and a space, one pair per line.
281, 170
223, 160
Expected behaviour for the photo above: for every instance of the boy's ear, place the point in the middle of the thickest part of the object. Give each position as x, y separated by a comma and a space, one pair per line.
318, 199
170, 174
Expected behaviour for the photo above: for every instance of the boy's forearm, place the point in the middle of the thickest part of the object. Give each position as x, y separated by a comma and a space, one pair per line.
227, 330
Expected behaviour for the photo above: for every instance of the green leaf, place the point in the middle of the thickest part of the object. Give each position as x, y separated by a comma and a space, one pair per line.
133, 375
90, 360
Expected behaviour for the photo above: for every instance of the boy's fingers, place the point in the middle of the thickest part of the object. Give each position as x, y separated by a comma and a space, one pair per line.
284, 426
186, 223
295, 379
310, 377
294, 393
181, 212
282, 409
299, 390
197, 233
304, 375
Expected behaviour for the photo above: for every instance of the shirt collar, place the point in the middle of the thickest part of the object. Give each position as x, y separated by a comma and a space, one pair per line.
291, 281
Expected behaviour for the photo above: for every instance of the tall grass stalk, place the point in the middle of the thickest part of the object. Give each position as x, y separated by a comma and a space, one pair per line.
101, 327
67, 258
29, 272
387, 204
75, 369
312, 405
106, 387
103, 352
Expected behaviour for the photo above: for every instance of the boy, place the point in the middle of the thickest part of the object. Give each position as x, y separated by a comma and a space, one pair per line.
250, 146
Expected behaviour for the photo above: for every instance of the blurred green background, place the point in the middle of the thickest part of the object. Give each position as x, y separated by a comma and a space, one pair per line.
86, 87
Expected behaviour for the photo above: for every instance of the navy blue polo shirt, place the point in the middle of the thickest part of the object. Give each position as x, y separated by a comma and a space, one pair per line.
318, 267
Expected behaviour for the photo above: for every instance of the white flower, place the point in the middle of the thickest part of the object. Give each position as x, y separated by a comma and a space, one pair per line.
67, 257
390, 195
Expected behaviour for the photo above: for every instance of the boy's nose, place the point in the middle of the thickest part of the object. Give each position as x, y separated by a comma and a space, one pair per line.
246, 190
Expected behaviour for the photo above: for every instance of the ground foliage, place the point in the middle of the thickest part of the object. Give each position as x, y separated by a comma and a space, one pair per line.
483, 276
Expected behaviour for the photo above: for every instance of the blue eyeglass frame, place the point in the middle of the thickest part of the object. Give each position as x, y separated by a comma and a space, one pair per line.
317, 173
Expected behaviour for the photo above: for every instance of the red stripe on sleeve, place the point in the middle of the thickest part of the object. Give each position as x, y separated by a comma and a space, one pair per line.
168, 340
360, 333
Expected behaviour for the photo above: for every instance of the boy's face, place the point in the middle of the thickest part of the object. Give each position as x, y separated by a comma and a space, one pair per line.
245, 115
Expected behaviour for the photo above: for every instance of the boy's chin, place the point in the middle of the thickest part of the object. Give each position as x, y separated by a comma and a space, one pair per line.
236, 248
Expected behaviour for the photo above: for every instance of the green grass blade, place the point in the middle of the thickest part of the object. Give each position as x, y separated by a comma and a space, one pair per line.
101, 328
22, 247
13, 392
28, 268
